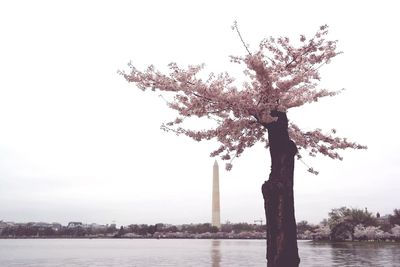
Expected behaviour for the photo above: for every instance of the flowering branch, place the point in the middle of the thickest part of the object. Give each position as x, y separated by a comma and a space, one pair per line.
289, 78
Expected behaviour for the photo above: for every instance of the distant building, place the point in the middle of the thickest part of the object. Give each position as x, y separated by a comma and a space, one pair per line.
2, 226
74, 224
42, 225
56, 226
382, 220
99, 227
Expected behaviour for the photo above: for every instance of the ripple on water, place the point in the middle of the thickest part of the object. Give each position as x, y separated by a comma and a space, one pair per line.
185, 252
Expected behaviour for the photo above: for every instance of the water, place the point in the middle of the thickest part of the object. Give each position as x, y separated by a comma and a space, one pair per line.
184, 253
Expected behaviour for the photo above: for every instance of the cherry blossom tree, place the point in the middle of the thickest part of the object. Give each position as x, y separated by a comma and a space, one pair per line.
396, 232
280, 76
370, 233
322, 232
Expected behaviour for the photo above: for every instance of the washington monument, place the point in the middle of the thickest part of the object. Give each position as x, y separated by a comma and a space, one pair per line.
215, 217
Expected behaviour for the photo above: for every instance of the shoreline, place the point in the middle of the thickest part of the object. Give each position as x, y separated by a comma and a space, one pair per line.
207, 238
156, 238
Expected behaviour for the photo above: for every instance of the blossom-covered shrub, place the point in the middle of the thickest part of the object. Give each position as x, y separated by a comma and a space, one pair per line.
322, 232
368, 233
396, 232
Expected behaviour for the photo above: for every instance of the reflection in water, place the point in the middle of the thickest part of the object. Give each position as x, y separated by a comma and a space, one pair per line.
187, 252
216, 253
363, 254
350, 254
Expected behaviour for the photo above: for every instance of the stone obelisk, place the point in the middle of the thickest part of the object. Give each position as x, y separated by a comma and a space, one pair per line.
215, 217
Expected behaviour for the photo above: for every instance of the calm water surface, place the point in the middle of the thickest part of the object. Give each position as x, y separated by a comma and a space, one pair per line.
184, 253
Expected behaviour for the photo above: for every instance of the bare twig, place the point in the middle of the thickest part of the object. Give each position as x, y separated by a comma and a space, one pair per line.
235, 27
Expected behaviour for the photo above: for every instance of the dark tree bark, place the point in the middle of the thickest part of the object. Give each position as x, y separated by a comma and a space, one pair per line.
278, 196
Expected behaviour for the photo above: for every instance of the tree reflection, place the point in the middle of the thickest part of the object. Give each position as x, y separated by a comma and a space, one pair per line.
362, 254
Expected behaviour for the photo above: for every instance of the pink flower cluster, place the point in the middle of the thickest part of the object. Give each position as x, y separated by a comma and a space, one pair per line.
280, 76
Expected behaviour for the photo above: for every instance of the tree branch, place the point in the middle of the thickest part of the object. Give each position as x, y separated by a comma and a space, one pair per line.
235, 26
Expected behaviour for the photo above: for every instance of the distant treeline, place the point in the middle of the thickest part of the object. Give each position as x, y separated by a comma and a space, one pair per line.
160, 230
342, 224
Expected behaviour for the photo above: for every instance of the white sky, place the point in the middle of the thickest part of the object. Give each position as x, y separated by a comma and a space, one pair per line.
78, 143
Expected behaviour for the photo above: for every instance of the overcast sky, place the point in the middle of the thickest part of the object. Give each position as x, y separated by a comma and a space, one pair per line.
78, 143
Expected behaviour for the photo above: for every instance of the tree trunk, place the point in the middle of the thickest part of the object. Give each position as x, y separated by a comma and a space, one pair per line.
278, 196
